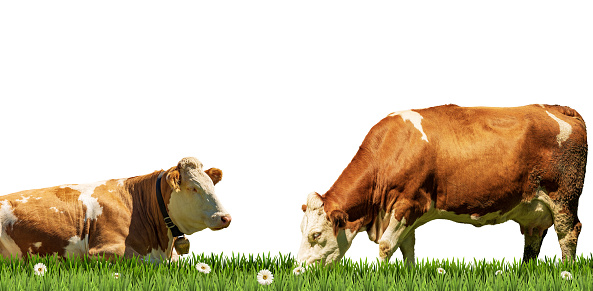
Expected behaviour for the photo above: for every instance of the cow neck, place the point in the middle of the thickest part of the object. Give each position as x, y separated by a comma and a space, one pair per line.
163, 208
353, 191
361, 189
148, 227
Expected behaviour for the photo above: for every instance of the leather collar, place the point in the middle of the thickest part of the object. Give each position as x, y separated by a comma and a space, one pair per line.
159, 197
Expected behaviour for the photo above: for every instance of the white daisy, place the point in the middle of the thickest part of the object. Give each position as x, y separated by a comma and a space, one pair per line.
203, 268
116, 275
566, 275
39, 269
265, 277
298, 270
441, 271
499, 272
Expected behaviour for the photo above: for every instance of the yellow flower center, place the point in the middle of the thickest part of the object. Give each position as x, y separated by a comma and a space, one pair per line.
265, 277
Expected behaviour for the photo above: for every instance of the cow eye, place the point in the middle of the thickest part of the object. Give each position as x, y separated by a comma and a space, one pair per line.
316, 235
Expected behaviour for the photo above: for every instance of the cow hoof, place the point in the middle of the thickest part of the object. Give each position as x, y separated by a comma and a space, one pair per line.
384, 249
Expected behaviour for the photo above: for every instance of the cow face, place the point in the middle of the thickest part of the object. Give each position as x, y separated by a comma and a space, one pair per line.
193, 206
324, 238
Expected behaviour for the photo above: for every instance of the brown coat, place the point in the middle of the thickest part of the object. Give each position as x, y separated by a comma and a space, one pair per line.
465, 161
114, 217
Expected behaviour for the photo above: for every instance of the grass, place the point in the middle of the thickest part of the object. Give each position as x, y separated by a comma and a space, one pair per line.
238, 272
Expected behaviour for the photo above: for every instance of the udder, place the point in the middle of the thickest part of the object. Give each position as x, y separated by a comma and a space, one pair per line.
534, 217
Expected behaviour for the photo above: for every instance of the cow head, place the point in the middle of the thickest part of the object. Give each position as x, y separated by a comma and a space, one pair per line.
325, 236
193, 206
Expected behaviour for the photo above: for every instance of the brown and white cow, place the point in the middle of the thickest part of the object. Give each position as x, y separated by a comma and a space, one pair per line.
113, 217
470, 165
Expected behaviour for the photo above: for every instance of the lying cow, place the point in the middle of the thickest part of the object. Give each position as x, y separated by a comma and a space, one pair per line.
114, 217
470, 165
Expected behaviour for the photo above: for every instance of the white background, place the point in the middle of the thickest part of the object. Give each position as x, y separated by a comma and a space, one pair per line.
277, 94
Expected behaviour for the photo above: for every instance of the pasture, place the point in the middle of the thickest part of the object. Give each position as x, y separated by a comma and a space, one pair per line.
239, 272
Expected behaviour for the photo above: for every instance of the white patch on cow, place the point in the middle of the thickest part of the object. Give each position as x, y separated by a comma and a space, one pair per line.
23, 199
314, 201
7, 218
542, 106
37, 198
475, 220
195, 206
9, 247
93, 209
532, 214
155, 256
375, 231
36, 245
562, 224
53, 208
318, 241
77, 246
175, 257
120, 182
565, 129
413, 117
392, 237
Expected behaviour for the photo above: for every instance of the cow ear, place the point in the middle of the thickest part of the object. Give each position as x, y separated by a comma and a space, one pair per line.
338, 219
174, 179
304, 207
214, 174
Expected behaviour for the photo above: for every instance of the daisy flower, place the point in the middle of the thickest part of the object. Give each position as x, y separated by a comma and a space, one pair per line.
441, 271
116, 275
298, 270
39, 269
203, 268
499, 272
265, 277
566, 275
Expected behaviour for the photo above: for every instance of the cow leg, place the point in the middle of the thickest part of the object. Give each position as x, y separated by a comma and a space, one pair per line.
407, 248
568, 229
392, 237
108, 252
566, 223
570, 164
533, 244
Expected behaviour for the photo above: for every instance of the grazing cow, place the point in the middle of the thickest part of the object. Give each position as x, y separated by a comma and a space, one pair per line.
471, 165
113, 217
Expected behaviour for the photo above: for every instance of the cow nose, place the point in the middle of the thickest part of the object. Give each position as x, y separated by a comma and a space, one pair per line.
226, 220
